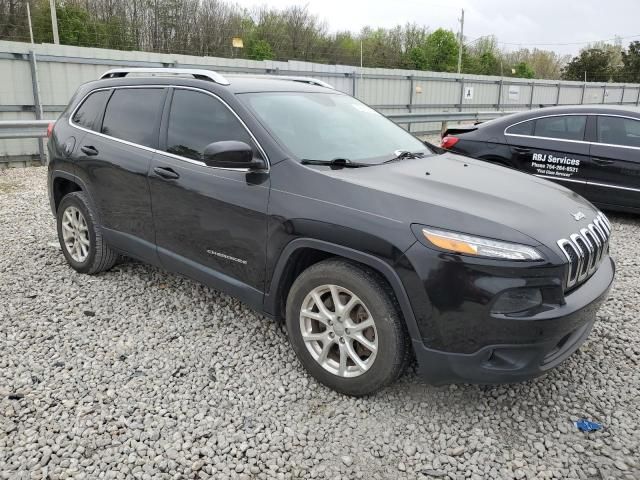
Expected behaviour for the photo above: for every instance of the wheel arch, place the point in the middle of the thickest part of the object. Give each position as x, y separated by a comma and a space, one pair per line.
63, 183
301, 253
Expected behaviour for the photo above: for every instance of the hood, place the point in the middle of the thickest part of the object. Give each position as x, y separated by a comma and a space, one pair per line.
471, 196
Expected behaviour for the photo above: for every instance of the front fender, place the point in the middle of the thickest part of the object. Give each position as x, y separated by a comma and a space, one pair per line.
383, 267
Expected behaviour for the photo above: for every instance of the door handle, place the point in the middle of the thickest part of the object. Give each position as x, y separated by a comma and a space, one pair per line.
89, 150
601, 161
166, 172
522, 149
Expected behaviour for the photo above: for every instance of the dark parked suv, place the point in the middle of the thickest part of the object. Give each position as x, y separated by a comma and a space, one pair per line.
316, 210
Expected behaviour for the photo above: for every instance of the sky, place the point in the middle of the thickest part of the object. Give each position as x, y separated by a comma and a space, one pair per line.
521, 23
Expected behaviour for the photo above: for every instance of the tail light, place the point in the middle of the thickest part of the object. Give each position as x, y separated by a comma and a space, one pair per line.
449, 141
49, 130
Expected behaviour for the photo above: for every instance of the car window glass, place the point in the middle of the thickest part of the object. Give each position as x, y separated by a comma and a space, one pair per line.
90, 110
567, 127
132, 115
198, 119
619, 131
328, 125
524, 128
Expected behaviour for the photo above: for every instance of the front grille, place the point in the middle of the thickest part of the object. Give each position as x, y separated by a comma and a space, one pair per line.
584, 250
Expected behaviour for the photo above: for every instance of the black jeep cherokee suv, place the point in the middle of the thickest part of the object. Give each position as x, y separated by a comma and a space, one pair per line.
314, 209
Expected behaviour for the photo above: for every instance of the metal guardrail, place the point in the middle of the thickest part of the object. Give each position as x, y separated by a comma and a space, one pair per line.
20, 129
428, 117
24, 128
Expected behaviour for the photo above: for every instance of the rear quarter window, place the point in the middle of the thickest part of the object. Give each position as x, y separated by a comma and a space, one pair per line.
90, 111
524, 128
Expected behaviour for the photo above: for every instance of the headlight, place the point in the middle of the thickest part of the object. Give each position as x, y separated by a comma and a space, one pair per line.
478, 246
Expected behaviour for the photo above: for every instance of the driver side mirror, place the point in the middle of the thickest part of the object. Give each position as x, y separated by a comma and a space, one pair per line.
231, 154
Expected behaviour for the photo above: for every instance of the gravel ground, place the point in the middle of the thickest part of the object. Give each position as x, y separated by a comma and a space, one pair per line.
136, 373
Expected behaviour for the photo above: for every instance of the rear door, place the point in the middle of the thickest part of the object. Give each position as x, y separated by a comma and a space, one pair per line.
211, 223
614, 178
551, 147
114, 162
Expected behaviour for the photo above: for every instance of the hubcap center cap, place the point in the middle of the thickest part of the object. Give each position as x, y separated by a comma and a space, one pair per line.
338, 328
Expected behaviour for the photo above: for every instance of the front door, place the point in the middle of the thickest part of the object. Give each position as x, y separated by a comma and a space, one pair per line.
614, 178
210, 223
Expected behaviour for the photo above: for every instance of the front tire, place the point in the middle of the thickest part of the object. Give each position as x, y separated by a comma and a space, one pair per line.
344, 326
80, 236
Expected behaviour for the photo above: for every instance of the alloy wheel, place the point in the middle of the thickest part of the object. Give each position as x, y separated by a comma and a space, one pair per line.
339, 331
75, 234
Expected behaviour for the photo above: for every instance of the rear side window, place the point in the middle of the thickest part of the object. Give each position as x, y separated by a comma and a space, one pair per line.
619, 131
196, 120
132, 115
524, 128
567, 127
90, 111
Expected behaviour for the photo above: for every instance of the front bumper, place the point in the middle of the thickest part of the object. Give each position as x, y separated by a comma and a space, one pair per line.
464, 343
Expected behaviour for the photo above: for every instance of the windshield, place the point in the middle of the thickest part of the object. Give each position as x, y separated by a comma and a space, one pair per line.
326, 126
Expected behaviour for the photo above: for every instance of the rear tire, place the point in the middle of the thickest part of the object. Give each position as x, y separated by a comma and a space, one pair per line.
357, 347
80, 236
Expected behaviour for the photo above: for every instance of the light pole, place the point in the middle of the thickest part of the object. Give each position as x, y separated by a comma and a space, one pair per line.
54, 22
460, 43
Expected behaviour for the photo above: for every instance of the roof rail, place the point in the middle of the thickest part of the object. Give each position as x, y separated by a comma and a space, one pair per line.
196, 73
290, 78
309, 80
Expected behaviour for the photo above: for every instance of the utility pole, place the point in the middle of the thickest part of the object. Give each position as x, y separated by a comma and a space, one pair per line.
585, 76
54, 21
460, 43
29, 19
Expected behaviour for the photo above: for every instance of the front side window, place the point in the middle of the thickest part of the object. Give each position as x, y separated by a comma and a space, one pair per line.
132, 114
619, 131
197, 119
90, 111
524, 128
566, 127
326, 126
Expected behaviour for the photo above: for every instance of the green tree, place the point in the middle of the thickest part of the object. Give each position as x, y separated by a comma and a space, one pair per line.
441, 51
630, 71
595, 62
524, 70
259, 50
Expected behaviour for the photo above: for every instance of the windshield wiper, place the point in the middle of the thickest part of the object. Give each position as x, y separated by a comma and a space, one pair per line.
335, 164
405, 154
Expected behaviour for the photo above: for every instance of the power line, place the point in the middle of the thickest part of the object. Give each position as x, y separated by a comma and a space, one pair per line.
564, 44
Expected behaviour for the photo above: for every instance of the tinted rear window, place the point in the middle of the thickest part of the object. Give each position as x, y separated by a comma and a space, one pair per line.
619, 131
524, 128
132, 115
91, 109
566, 127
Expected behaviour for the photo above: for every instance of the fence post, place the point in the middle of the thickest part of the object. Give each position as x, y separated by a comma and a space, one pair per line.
354, 80
604, 94
37, 104
584, 88
533, 87
461, 93
624, 87
411, 88
638, 99
500, 86
558, 94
